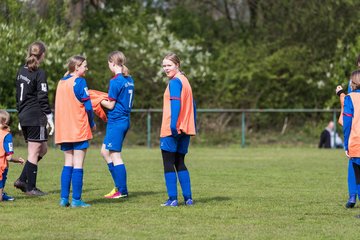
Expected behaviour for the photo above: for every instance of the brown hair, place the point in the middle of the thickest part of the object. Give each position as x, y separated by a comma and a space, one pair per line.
355, 80
4, 119
35, 51
174, 58
75, 61
119, 59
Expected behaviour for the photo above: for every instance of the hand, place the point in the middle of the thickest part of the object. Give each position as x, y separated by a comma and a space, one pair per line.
93, 128
174, 132
347, 153
21, 160
19, 127
339, 90
50, 123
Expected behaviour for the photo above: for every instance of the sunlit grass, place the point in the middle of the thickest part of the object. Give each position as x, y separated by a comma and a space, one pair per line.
252, 193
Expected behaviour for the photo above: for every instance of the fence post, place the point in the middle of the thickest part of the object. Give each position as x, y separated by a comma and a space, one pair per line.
335, 122
149, 129
242, 129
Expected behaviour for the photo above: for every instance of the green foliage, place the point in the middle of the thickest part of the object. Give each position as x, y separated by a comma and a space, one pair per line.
145, 40
271, 54
18, 35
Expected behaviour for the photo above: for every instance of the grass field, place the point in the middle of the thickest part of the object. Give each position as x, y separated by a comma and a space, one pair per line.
252, 193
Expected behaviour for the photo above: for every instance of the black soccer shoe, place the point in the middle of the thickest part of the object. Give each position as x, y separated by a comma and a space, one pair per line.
20, 185
35, 192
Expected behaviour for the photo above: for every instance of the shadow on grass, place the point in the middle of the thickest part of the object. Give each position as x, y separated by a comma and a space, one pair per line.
131, 195
58, 192
212, 199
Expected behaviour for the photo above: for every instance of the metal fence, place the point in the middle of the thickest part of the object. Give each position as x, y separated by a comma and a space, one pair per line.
243, 118
243, 113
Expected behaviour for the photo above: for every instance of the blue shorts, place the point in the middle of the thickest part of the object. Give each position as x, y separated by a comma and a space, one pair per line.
115, 135
179, 144
74, 146
355, 160
3, 181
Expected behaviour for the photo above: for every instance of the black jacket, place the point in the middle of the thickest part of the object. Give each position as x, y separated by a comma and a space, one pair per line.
32, 100
325, 139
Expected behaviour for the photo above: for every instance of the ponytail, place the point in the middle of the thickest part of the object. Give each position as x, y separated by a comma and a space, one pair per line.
32, 63
125, 71
34, 54
119, 59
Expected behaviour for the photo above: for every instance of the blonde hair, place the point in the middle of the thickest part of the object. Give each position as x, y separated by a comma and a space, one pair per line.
174, 58
75, 61
119, 59
35, 51
355, 80
4, 119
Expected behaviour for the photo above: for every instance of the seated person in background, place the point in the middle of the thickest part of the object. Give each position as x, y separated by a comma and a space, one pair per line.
327, 136
338, 141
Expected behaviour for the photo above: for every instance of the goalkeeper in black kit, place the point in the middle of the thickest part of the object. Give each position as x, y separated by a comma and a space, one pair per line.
35, 114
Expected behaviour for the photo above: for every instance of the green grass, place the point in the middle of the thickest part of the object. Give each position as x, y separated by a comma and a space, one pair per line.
251, 193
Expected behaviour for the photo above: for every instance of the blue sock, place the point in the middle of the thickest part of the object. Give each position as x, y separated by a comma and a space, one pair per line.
111, 170
184, 179
77, 183
353, 190
171, 181
120, 178
4, 176
66, 181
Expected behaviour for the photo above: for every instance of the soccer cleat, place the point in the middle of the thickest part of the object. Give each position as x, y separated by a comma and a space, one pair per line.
189, 202
79, 203
116, 194
170, 203
64, 202
35, 192
351, 202
6, 197
111, 193
20, 185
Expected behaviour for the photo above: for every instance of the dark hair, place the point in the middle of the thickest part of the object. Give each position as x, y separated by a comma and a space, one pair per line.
35, 51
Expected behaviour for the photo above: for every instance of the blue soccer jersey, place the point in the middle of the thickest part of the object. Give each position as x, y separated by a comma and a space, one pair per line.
121, 90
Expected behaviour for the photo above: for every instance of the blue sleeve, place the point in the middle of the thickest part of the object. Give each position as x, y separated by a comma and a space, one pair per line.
175, 88
349, 87
81, 90
8, 145
347, 120
90, 112
113, 92
82, 94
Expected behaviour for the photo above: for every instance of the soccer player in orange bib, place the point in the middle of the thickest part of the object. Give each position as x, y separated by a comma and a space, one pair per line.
351, 179
351, 124
74, 120
178, 124
6, 153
